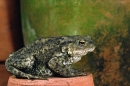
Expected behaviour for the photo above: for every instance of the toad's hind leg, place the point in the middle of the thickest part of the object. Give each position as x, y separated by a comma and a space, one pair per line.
19, 73
21, 67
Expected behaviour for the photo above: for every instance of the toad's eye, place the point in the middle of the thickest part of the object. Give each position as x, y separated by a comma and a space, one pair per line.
81, 42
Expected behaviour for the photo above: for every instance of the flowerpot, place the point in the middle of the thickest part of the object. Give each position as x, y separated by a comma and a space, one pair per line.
10, 29
53, 81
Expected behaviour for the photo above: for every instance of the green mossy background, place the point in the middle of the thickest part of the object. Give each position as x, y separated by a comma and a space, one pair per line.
107, 21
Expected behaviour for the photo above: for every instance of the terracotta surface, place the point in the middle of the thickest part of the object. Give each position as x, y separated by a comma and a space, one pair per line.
10, 28
74, 81
4, 75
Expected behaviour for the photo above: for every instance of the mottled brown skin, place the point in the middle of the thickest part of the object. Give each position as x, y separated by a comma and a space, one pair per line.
49, 56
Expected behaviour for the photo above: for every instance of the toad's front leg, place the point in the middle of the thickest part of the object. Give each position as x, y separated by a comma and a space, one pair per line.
62, 66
